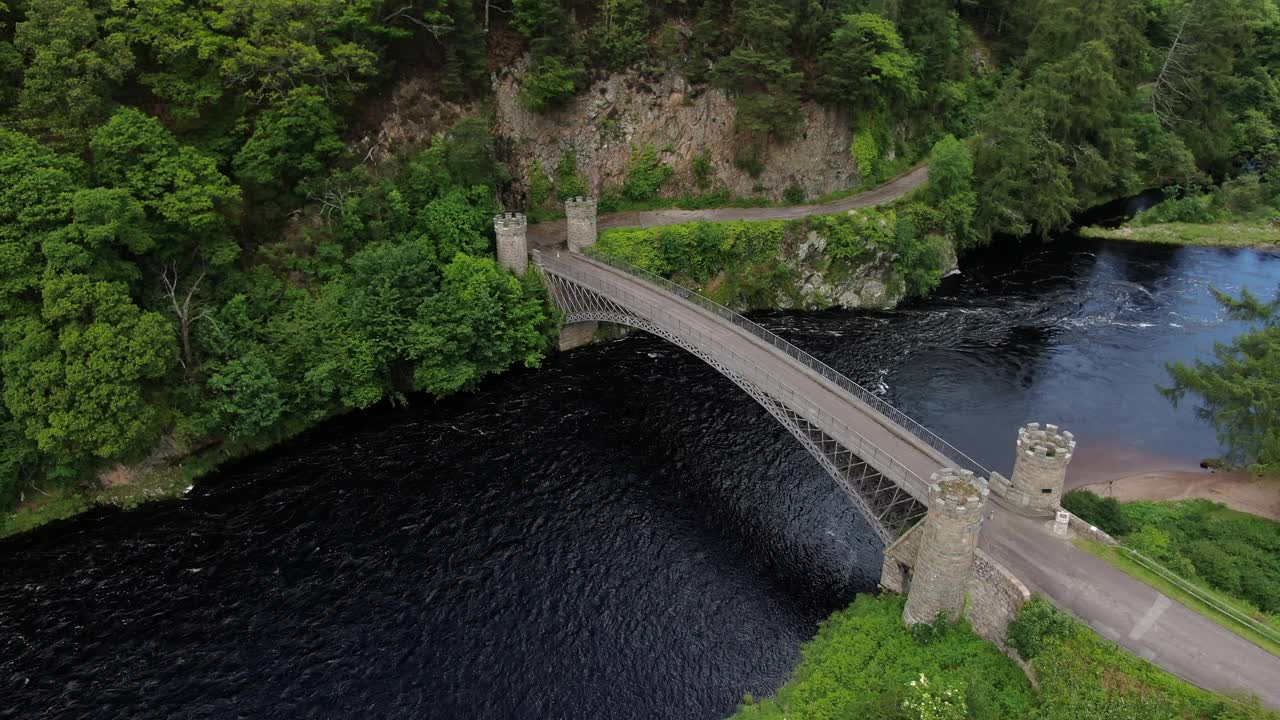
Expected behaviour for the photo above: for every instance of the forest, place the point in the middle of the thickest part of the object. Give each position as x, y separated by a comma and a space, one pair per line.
192, 257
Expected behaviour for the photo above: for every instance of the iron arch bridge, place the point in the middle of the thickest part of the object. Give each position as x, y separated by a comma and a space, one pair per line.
876, 454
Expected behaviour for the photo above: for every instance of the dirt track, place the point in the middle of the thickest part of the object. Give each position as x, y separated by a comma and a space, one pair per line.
552, 233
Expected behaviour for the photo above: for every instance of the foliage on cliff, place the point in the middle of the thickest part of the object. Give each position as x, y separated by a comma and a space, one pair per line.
752, 264
152, 282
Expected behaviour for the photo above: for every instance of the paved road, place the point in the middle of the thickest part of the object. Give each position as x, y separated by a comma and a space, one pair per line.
1116, 605
552, 234
1130, 612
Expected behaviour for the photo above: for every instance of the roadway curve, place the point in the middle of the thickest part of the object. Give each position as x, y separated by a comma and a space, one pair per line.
552, 233
1116, 605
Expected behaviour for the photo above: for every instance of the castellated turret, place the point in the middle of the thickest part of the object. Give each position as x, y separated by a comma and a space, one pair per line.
581, 214
513, 246
1040, 469
957, 505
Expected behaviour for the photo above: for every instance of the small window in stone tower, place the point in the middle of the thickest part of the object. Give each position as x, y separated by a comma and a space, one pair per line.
1047, 491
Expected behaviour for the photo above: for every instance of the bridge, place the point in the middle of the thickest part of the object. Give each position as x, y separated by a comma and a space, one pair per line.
878, 455
924, 498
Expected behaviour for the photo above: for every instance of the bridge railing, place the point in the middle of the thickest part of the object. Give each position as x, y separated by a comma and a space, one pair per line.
831, 374
852, 440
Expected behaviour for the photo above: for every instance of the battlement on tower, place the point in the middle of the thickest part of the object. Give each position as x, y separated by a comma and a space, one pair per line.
510, 222
1050, 444
582, 204
957, 492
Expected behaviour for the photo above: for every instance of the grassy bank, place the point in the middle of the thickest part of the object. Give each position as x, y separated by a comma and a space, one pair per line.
1255, 234
1243, 212
865, 664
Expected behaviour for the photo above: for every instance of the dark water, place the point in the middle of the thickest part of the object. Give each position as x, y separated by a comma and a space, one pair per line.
621, 534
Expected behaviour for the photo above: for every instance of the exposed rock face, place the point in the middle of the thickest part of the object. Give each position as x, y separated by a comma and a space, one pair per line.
822, 283
614, 115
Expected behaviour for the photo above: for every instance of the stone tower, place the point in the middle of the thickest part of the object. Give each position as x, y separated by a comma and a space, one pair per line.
1040, 469
513, 247
581, 212
957, 503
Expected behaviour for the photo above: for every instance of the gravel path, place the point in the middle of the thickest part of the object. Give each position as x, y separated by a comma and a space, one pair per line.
552, 233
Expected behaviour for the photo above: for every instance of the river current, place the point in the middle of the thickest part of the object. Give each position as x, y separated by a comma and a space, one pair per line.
620, 534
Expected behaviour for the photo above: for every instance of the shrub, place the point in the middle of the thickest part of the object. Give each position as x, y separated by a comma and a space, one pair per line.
645, 174
540, 186
1038, 624
1193, 208
1242, 194
1105, 513
794, 194
866, 154
550, 84
702, 170
569, 182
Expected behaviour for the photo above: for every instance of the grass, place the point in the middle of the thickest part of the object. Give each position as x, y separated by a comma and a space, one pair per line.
1120, 560
157, 483
1084, 676
863, 659
1259, 234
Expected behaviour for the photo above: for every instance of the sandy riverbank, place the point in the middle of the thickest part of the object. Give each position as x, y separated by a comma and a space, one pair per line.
1129, 474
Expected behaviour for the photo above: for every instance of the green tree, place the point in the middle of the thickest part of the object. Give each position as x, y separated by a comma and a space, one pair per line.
291, 142
1238, 392
866, 64
950, 169
246, 400
277, 46
182, 190
36, 185
83, 378
72, 67
482, 320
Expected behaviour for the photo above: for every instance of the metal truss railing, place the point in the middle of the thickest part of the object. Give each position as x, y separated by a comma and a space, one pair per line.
885, 490
829, 373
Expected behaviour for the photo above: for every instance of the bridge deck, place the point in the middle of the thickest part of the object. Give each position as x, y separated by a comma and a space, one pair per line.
844, 417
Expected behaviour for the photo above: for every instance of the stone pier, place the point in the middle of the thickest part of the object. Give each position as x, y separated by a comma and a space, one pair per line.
949, 539
581, 214
1039, 470
513, 246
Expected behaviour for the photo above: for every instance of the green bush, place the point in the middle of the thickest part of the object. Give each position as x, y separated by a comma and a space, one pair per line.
645, 174
1037, 625
794, 194
1105, 513
569, 182
551, 83
1243, 194
866, 153
1191, 208
702, 170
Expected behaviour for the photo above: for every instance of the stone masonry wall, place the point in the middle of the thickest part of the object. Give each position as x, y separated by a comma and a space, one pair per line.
995, 597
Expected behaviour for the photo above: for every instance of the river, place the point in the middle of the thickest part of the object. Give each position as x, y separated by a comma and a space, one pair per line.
620, 534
